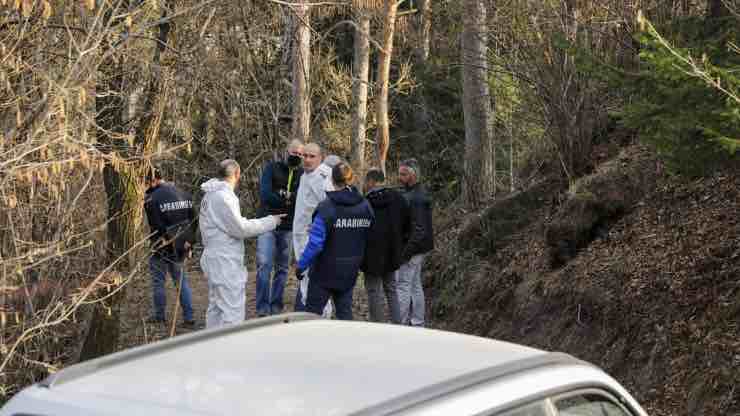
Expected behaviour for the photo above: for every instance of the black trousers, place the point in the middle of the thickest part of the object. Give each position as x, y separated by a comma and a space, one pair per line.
318, 296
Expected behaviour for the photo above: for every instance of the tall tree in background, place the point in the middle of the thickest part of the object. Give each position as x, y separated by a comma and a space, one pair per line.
301, 61
479, 176
718, 9
122, 174
423, 29
360, 72
390, 10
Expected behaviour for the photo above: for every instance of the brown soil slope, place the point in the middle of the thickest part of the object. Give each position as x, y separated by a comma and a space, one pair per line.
653, 298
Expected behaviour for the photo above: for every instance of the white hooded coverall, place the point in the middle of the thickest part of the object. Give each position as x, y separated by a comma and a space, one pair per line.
311, 190
223, 230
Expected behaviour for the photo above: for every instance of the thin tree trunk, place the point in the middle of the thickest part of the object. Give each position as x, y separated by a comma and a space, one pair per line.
717, 9
423, 23
359, 89
103, 332
122, 188
423, 29
301, 72
479, 179
384, 70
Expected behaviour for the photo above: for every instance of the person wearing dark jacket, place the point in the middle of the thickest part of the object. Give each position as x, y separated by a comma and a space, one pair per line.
278, 191
336, 245
172, 222
384, 245
418, 242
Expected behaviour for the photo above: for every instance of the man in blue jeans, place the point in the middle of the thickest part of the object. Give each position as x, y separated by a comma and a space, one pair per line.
278, 191
171, 218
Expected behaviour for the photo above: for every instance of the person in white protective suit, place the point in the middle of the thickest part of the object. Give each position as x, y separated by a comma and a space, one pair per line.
223, 230
315, 182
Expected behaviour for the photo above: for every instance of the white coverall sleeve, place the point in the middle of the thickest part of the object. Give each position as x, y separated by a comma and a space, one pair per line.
301, 219
239, 227
310, 192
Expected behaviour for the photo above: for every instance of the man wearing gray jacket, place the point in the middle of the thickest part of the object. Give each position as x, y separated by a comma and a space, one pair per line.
315, 182
417, 243
223, 230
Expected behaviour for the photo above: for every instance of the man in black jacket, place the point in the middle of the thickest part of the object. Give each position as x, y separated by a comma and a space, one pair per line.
418, 242
384, 245
278, 191
172, 222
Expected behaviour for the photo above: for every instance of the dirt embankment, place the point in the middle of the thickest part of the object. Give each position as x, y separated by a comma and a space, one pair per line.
634, 271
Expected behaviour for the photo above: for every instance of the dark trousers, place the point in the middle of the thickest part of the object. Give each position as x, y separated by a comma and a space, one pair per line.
298, 305
319, 295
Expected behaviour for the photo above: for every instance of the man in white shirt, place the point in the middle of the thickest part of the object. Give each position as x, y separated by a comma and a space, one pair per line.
315, 182
223, 230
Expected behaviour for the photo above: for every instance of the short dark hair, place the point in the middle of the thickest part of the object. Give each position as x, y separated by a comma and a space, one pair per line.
413, 165
375, 175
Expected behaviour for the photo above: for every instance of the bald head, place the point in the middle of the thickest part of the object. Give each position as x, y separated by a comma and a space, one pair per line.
312, 156
314, 147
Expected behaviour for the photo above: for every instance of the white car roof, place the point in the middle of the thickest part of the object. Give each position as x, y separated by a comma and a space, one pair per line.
291, 364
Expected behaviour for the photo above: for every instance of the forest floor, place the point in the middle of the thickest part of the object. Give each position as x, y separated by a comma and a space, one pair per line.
653, 298
137, 306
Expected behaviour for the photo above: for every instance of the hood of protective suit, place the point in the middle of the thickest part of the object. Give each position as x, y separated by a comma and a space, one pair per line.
213, 185
324, 171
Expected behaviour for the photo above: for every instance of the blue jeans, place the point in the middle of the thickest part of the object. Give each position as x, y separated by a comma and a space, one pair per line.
273, 247
159, 267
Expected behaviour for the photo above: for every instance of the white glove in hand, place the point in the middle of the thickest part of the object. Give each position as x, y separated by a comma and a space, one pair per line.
279, 219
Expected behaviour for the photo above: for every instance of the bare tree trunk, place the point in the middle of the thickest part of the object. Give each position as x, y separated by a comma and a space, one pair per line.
423, 29
423, 23
359, 89
384, 69
479, 179
717, 9
122, 188
301, 72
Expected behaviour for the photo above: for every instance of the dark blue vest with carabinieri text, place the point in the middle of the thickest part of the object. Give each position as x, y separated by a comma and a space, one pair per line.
347, 216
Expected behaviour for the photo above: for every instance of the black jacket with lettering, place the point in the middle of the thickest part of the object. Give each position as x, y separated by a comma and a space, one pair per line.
172, 219
420, 238
347, 217
385, 241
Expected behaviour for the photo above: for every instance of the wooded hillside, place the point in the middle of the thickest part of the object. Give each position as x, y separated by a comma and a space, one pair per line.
505, 103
